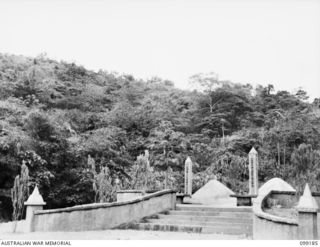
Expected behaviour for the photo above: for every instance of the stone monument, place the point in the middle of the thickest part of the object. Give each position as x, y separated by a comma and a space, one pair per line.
188, 177
307, 209
253, 172
34, 203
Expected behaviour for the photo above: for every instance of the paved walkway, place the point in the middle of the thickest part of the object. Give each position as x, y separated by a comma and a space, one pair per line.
115, 235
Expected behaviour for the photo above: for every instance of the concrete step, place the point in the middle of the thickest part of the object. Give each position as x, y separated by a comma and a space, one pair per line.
192, 228
192, 207
212, 213
222, 219
198, 222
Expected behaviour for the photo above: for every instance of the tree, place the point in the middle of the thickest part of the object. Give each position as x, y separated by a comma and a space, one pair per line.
102, 186
301, 94
207, 82
140, 174
305, 166
316, 102
20, 192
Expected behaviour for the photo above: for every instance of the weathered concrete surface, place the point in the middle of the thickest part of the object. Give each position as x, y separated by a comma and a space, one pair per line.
274, 184
100, 216
118, 235
128, 195
213, 193
308, 228
316, 196
14, 227
268, 226
307, 208
201, 219
267, 229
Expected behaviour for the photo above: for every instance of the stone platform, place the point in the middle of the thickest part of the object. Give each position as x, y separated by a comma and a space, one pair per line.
200, 219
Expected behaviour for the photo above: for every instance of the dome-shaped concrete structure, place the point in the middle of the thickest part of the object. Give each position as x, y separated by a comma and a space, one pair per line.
275, 184
213, 193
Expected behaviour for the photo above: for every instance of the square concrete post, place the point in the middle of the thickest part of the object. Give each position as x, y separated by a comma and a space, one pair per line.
188, 177
253, 172
173, 201
34, 203
307, 219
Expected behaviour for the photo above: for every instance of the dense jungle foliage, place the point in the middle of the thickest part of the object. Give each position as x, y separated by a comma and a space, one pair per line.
53, 115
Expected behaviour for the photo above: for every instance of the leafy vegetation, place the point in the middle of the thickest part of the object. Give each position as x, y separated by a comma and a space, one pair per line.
53, 115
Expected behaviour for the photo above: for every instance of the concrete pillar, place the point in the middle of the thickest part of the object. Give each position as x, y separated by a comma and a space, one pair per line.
188, 177
173, 201
34, 203
307, 219
253, 172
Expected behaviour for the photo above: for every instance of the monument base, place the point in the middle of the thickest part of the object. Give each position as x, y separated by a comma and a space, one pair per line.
180, 197
244, 200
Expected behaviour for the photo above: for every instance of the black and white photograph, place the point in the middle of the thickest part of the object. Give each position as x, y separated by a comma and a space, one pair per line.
159, 120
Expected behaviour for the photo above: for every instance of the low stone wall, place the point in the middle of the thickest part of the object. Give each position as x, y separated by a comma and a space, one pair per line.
267, 229
128, 195
100, 216
267, 226
316, 196
14, 226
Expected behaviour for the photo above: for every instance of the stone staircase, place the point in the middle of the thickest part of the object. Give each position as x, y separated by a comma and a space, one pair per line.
200, 219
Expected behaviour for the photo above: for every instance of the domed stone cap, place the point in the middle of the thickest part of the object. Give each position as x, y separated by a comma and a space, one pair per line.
35, 199
273, 184
307, 203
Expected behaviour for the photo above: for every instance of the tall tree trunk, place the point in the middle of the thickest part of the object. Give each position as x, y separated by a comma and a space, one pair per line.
284, 155
222, 127
284, 159
278, 154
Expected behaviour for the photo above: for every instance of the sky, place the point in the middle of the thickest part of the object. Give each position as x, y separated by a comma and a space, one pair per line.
248, 41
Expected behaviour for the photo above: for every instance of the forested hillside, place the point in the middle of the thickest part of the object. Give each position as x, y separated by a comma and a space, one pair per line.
54, 114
